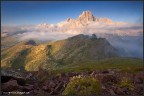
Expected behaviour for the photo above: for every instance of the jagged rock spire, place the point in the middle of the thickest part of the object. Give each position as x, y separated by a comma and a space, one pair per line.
86, 16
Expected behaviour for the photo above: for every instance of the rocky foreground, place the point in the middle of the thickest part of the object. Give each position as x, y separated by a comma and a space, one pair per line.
112, 82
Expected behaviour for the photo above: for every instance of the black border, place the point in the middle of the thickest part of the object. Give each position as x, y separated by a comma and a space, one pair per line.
75, 1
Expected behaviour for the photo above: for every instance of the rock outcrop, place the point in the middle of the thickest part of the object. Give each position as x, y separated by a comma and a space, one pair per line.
86, 17
110, 81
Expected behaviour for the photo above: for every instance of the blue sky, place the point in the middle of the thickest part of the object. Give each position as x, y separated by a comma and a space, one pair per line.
26, 12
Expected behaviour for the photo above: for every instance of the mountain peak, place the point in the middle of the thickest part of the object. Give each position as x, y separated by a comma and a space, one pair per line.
87, 12
86, 16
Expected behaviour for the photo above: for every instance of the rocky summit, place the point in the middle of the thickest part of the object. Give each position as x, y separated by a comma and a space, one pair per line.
84, 19
86, 16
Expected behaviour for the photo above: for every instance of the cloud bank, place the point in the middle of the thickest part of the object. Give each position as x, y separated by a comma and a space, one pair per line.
124, 36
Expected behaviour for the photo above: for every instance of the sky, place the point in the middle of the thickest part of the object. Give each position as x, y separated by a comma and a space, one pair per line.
36, 12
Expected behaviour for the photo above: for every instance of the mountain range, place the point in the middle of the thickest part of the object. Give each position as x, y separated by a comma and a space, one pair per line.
85, 19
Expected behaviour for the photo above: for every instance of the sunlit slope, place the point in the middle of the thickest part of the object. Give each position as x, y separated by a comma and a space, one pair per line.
119, 63
79, 48
15, 56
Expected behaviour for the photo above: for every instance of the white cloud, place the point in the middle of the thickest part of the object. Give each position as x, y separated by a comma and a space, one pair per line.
56, 33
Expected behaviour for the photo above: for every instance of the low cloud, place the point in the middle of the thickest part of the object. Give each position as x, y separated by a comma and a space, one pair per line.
123, 36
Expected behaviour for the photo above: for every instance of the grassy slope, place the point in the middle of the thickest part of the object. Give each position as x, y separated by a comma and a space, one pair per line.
125, 64
8, 41
31, 57
76, 50
14, 56
63, 51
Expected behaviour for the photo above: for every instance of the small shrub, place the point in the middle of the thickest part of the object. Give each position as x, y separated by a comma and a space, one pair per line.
82, 86
126, 83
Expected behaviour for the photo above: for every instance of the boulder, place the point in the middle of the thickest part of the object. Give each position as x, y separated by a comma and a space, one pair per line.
119, 91
28, 88
105, 72
50, 84
10, 86
139, 78
59, 87
139, 89
109, 79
